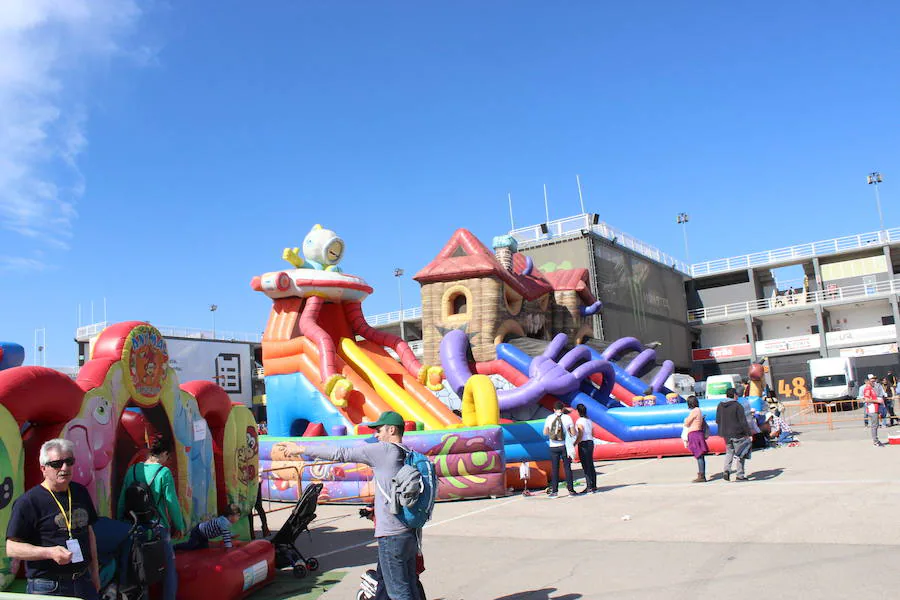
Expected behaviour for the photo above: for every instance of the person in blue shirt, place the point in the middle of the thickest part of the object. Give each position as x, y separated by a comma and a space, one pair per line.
212, 528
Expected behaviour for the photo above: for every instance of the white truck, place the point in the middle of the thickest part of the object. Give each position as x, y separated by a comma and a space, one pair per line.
834, 379
717, 385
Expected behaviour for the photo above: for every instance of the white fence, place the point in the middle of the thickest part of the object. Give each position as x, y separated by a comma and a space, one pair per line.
89, 331
837, 294
825, 247
573, 226
409, 314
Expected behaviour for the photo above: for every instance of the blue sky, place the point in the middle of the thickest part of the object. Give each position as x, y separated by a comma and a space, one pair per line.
161, 154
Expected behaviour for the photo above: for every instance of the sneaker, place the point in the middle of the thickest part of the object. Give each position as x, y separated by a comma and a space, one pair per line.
726, 475
879, 444
741, 478
553, 495
595, 491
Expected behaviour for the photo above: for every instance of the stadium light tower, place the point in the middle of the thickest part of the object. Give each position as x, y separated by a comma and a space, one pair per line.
874, 178
398, 273
682, 220
213, 308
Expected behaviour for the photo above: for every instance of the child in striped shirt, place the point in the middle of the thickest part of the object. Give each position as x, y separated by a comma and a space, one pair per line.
212, 528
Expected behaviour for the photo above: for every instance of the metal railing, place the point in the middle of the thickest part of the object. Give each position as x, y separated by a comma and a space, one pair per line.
208, 334
800, 251
387, 318
786, 302
574, 226
89, 331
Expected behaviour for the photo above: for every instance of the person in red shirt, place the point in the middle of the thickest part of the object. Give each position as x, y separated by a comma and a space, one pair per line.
873, 407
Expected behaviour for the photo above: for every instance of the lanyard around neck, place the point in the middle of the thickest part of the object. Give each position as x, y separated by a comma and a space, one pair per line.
68, 519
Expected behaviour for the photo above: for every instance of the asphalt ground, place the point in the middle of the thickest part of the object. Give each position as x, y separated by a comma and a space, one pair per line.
814, 521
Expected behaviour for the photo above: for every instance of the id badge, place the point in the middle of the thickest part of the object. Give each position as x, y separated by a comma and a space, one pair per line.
75, 548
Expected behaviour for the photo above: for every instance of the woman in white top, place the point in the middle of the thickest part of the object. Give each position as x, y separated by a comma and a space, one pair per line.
584, 438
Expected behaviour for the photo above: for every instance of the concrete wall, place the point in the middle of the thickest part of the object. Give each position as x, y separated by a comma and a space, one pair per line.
723, 335
799, 324
726, 294
866, 315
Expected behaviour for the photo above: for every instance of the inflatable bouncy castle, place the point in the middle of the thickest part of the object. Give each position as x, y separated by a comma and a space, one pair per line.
508, 339
124, 395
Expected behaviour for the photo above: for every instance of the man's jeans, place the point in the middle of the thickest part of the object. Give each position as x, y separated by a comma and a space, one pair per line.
397, 562
785, 437
558, 453
735, 452
170, 581
873, 426
82, 587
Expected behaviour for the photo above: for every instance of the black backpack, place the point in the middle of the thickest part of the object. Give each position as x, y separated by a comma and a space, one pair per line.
139, 498
148, 557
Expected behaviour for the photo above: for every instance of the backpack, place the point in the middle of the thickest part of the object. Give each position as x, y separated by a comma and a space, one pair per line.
139, 498
413, 490
148, 557
557, 432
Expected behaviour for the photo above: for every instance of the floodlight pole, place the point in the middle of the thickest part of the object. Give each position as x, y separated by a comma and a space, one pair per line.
682, 220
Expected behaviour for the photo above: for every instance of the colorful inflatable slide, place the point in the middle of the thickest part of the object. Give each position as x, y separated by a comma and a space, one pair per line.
328, 371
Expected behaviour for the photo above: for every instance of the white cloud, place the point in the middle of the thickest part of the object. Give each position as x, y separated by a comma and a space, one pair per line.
48, 48
18, 263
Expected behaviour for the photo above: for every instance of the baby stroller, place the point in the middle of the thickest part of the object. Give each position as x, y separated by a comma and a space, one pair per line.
304, 513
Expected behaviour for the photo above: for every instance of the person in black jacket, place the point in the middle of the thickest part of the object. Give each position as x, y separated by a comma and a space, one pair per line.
735, 430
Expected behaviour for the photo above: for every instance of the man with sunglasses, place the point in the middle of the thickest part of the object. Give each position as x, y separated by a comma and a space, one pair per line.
51, 529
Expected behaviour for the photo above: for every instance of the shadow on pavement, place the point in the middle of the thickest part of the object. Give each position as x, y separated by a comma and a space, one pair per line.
765, 474
541, 594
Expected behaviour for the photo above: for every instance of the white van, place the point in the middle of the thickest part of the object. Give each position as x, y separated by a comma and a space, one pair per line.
717, 385
833, 378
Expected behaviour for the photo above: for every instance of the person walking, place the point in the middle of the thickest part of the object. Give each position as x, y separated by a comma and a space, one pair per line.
51, 528
397, 543
873, 404
696, 438
557, 427
584, 439
889, 391
154, 473
733, 427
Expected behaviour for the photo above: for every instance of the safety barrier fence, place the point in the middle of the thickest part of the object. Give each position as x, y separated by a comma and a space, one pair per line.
831, 415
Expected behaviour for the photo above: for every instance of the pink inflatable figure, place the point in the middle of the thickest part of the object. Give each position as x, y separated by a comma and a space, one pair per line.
94, 437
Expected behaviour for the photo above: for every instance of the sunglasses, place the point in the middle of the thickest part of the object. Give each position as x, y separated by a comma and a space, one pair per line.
57, 464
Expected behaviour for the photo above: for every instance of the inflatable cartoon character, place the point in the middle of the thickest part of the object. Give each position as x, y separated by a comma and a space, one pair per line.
322, 250
93, 433
248, 458
199, 452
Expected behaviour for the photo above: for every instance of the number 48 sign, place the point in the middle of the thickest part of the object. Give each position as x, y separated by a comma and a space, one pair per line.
796, 388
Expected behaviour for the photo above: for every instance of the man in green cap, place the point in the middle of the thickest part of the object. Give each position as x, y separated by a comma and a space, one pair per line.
397, 543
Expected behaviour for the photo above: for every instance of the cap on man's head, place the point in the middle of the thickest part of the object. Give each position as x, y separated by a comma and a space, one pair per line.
871, 376
388, 417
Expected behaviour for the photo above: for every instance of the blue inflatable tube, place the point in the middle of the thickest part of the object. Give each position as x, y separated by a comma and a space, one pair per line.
291, 398
631, 383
